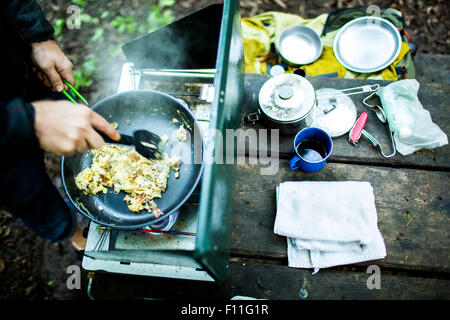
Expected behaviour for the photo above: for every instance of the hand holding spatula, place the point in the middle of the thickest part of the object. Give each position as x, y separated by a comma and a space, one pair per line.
147, 144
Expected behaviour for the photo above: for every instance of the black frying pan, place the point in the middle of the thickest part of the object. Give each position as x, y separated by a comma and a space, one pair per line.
133, 110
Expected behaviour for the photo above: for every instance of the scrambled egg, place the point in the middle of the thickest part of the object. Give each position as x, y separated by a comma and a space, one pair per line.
182, 133
123, 169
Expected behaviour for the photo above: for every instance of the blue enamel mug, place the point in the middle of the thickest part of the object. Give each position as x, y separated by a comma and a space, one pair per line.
312, 146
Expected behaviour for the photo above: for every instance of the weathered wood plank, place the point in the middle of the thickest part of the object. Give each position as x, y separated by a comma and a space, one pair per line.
432, 68
252, 278
282, 283
434, 98
412, 205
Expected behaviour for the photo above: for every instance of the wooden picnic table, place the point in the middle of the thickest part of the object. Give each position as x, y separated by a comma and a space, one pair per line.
412, 201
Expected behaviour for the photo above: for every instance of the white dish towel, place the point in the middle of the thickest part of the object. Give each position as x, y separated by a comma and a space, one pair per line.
328, 223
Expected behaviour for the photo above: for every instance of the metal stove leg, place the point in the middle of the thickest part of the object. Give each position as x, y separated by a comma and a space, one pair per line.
89, 287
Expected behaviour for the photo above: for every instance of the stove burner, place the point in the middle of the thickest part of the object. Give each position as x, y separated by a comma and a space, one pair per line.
164, 225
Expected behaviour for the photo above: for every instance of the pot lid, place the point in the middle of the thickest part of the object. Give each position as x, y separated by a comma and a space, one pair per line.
335, 113
286, 97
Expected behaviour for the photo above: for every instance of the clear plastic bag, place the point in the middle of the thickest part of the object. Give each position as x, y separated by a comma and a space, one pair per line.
411, 123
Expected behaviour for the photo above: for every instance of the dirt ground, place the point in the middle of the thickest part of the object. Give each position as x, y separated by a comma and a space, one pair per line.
34, 269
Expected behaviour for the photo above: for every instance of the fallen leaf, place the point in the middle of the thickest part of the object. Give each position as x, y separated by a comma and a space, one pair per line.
28, 290
5, 232
281, 4
260, 285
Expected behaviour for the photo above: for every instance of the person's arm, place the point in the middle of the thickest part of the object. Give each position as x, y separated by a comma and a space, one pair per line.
17, 137
60, 127
52, 65
65, 128
28, 19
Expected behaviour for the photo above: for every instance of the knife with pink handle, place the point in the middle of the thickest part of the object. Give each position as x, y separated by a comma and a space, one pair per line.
355, 133
358, 130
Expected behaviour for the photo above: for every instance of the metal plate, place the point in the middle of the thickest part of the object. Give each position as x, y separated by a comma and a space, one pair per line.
367, 44
299, 45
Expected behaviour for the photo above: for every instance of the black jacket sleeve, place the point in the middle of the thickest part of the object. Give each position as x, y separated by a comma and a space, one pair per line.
17, 136
28, 19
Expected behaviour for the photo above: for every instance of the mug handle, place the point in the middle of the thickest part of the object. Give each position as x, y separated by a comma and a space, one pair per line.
293, 163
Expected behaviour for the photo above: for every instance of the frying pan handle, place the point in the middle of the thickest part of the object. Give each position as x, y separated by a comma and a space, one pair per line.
124, 139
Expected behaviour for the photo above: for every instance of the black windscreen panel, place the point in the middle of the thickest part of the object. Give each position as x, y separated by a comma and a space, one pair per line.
189, 43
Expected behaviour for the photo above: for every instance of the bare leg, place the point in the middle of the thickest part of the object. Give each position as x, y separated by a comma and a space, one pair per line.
78, 241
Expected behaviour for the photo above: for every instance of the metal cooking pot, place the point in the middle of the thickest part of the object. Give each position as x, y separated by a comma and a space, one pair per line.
286, 102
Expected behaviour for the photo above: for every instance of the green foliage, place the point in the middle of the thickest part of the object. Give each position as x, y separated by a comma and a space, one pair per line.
81, 80
166, 3
87, 18
90, 65
84, 76
128, 26
58, 25
98, 35
125, 24
115, 51
105, 14
157, 17
80, 3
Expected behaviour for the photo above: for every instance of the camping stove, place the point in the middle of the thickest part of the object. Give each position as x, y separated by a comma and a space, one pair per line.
205, 54
151, 251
